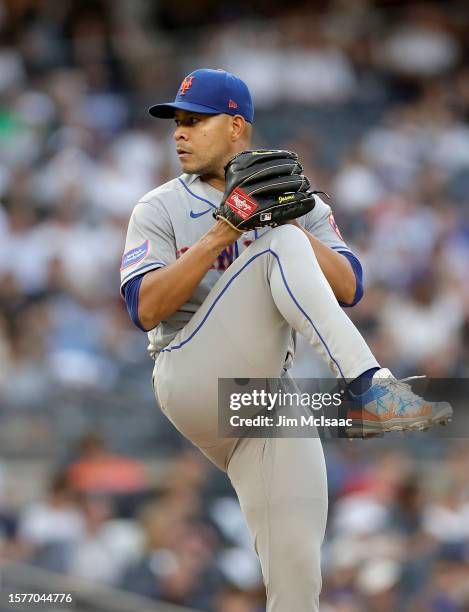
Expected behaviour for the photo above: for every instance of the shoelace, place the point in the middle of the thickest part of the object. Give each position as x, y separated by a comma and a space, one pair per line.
411, 378
404, 388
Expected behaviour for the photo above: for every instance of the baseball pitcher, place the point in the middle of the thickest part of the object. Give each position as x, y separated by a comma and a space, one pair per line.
221, 265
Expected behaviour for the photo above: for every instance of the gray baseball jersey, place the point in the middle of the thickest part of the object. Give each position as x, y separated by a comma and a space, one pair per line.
171, 218
280, 482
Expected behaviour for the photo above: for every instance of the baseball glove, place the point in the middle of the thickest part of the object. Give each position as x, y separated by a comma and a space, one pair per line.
264, 188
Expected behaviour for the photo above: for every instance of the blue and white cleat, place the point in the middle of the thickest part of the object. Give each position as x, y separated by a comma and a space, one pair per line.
391, 405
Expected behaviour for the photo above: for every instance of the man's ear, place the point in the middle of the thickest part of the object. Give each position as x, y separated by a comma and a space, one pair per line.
238, 127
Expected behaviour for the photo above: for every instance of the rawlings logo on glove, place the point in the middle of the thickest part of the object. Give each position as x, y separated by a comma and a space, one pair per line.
241, 203
264, 187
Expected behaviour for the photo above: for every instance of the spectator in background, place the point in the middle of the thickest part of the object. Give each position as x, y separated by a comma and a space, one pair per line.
406, 321
406, 521
448, 588
178, 561
97, 470
48, 528
378, 581
422, 45
107, 546
232, 599
185, 479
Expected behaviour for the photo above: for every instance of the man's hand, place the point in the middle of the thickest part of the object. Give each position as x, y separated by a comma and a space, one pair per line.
165, 290
221, 235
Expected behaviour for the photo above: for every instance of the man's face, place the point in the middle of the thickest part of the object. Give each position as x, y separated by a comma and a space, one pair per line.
203, 142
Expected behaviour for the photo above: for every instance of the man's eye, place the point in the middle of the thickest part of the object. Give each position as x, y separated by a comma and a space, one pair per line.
189, 121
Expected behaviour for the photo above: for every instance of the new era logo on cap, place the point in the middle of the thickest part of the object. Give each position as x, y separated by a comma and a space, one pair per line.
211, 92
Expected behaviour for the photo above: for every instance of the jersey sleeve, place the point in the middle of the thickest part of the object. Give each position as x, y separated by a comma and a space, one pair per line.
150, 241
321, 223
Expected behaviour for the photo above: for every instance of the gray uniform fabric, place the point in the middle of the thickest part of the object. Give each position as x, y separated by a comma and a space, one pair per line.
174, 216
238, 324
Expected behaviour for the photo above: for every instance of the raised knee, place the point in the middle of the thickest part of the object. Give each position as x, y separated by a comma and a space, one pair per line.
291, 234
290, 239
286, 231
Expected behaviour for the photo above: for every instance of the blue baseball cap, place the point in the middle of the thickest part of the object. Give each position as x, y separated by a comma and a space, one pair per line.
209, 91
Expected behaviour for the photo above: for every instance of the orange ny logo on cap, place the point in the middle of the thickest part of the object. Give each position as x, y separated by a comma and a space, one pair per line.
185, 85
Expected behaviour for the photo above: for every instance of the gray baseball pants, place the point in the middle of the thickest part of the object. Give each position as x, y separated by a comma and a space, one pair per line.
242, 330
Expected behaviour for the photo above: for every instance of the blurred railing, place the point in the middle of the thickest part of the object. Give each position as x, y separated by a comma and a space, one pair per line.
49, 428
86, 596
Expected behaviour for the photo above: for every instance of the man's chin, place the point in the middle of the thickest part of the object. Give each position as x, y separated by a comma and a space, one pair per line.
189, 168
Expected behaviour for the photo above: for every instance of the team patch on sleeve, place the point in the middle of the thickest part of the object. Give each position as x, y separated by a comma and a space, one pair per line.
135, 255
334, 226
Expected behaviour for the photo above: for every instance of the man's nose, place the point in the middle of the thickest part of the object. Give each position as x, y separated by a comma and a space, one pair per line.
180, 133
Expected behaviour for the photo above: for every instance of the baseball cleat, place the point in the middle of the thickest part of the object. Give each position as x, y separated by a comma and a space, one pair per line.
391, 405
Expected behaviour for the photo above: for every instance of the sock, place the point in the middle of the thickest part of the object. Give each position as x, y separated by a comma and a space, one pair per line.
363, 382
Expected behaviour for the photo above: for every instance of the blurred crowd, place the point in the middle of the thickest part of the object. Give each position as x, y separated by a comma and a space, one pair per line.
397, 539
376, 103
